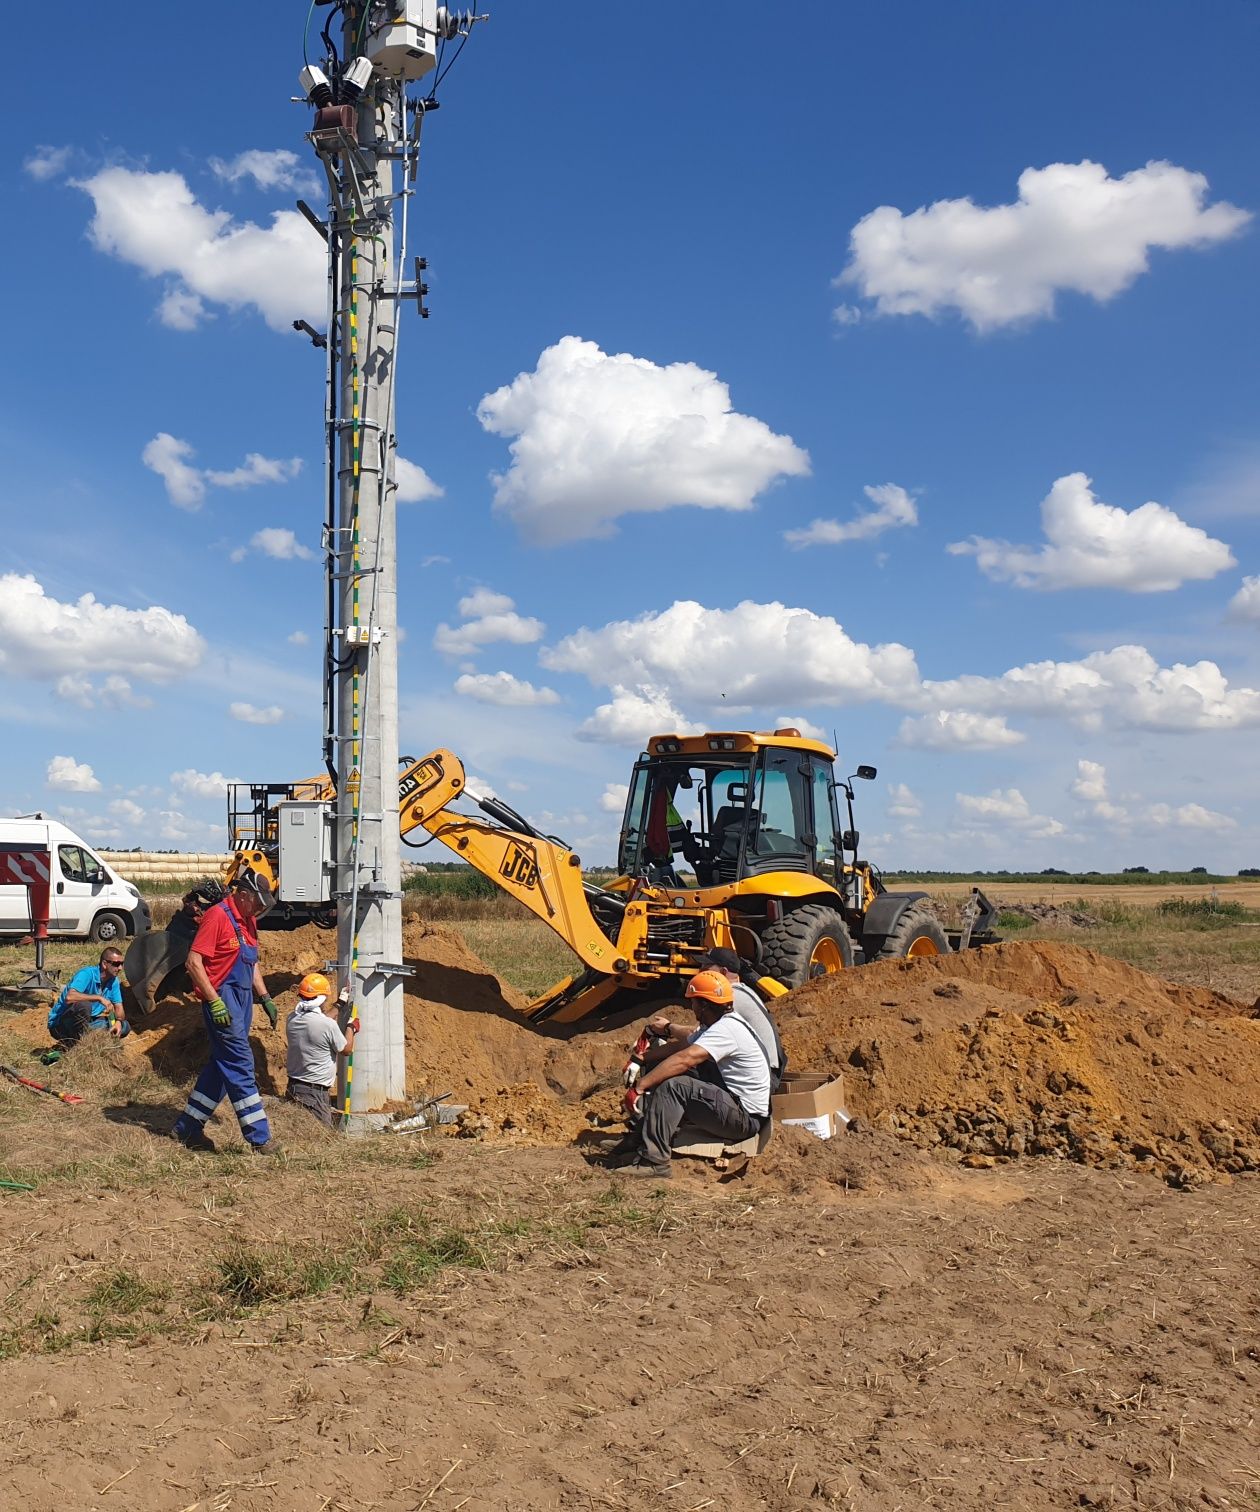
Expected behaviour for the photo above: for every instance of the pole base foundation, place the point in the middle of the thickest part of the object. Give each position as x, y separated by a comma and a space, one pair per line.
356, 1125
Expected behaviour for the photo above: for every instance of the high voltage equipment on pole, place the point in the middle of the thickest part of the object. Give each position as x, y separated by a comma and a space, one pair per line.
367, 127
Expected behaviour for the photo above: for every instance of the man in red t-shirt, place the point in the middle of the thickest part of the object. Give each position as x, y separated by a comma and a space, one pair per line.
223, 965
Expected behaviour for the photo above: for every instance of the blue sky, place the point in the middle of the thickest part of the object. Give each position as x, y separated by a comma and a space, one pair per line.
987, 507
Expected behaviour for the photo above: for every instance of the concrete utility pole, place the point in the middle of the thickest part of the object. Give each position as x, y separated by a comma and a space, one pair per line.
364, 126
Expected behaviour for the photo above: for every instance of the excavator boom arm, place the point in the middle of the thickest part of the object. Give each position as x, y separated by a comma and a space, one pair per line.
536, 870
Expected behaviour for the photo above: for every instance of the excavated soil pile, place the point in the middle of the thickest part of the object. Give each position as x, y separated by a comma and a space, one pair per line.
463, 1037
1016, 1049
1040, 1049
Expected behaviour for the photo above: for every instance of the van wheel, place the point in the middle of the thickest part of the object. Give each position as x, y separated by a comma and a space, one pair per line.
108, 927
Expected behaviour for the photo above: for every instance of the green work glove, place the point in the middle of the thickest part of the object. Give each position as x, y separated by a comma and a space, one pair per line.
219, 1015
272, 1012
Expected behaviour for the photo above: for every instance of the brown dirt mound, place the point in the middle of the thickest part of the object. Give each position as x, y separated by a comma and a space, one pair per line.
1040, 1049
463, 1035
1016, 1049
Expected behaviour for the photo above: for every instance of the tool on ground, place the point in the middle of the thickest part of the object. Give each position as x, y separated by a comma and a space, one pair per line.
17, 1186
25, 1081
428, 1114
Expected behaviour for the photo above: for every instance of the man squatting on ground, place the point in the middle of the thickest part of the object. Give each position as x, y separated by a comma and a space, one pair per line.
718, 1080
223, 965
315, 1041
92, 999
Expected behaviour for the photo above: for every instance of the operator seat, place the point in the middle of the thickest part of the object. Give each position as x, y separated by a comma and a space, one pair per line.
730, 825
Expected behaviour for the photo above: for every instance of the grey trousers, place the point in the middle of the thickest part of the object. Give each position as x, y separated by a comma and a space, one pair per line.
311, 1097
691, 1099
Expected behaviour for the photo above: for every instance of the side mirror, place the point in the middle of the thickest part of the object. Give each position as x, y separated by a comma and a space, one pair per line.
97, 878
866, 773
849, 840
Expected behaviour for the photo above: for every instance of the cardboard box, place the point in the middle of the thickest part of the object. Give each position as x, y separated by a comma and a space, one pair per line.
811, 1100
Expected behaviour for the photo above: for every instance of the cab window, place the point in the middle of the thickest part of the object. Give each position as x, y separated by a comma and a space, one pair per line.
74, 864
782, 802
825, 819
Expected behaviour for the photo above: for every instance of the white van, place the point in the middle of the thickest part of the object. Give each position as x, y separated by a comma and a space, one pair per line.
87, 899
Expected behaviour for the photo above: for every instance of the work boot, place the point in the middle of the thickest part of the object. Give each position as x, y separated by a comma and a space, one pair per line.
625, 1152
269, 1147
645, 1168
200, 1144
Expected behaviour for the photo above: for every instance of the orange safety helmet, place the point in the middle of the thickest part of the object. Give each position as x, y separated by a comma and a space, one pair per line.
314, 984
713, 987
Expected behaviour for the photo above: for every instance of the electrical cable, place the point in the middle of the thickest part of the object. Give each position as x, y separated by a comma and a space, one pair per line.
306, 35
326, 35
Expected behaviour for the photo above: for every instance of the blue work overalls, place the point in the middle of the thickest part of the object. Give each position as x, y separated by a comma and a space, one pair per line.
230, 1069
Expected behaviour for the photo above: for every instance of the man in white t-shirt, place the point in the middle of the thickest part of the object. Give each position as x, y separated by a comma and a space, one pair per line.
719, 1081
316, 1041
749, 1006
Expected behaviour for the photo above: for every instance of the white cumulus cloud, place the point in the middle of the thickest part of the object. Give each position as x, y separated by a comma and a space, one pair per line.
41, 637
1090, 786
613, 799
181, 310
598, 436
48, 162
902, 803
298, 638
1245, 604
757, 655
279, 169
893, 508
154, 222
1090, 782
1090, 544
113, 692
200, 784
171, 459
277, 542
488, 617
414, 484
247, 713
958, 730
1124, 688
1007, 807
633, 715
1188, 816
505, 690
168, 456
127, 811
1072, 228
70, 776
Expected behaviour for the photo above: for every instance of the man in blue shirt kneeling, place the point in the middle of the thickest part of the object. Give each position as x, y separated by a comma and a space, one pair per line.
91, 1000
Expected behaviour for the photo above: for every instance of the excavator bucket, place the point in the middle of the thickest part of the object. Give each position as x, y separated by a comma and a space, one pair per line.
154, 966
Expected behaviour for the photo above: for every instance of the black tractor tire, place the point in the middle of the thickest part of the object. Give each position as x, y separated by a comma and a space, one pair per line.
915, 935
108, 929
811, 941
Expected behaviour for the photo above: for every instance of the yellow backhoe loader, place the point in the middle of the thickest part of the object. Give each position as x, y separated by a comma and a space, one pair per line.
730, 839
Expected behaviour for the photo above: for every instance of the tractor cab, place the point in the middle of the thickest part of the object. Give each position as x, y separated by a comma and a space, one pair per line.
711, 810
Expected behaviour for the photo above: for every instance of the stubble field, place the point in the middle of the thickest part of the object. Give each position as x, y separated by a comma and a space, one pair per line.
492, 1322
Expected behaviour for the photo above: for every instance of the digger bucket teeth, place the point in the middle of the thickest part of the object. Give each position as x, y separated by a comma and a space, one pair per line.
150, 965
